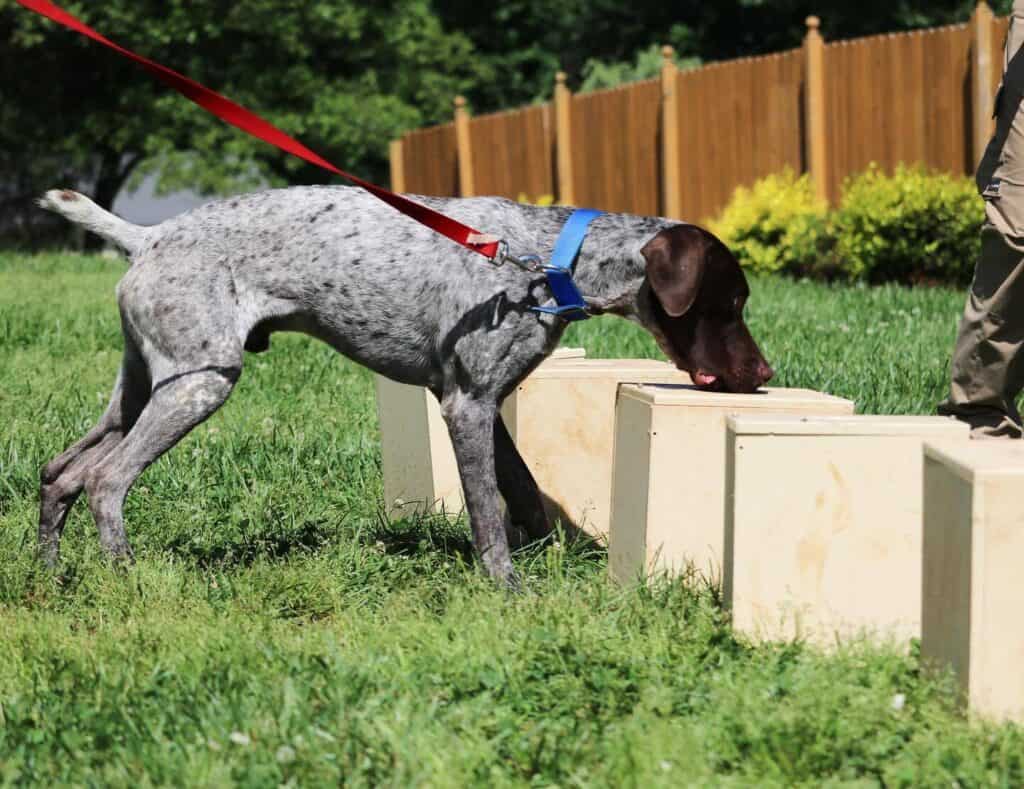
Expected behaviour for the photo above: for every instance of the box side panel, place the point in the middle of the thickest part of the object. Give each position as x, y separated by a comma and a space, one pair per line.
689, 454
510, 414
827, 537
733, 453
561, 358
447, 485
627, 533
565, 432
687, 497
997, 646
946, 578
405, 447
768, 556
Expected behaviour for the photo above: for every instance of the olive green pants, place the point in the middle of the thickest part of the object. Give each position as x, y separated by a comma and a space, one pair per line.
988, 366
988, 363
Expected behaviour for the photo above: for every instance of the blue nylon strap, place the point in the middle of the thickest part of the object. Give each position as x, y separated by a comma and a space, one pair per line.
571, 305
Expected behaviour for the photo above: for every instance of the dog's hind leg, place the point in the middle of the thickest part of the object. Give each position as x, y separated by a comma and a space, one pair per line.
177, 404
63, 478
517, 485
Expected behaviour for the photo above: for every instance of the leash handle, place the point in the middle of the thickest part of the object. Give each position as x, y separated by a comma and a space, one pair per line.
251, 123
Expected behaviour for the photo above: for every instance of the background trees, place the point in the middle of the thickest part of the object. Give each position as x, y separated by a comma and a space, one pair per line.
345, 76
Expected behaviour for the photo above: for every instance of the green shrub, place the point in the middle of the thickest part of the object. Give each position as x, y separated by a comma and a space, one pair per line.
541, 200
909, 227
776, 225
602, 75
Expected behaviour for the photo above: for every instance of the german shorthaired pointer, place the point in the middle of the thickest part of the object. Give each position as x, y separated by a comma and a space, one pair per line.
338, 264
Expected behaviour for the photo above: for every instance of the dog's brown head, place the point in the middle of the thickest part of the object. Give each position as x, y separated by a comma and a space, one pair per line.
694, 308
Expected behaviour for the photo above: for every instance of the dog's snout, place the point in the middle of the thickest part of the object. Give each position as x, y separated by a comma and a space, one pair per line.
752, 376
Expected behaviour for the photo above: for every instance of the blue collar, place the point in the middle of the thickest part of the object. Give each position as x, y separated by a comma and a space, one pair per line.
571, 305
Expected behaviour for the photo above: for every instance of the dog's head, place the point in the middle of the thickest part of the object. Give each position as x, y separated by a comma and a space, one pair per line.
692, 302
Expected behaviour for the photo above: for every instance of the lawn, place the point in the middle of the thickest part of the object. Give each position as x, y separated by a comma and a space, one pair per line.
276, 629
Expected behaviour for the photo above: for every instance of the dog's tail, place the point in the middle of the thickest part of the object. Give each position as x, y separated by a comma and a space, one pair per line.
83, 211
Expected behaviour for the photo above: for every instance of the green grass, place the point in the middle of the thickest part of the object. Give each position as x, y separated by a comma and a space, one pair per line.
277, 629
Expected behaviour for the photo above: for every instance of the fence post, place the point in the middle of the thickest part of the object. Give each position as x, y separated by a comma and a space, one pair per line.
563, 140
814, 107
397, 166
981, 78
671, 197
463, 149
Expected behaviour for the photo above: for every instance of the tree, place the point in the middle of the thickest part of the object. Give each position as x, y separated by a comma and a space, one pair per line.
346, 76
599, 75
739, 28
524, 42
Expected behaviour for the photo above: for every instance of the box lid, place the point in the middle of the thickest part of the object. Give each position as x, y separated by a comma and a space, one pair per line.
618, 369
568, 353
939, 427
980, 457
691, 397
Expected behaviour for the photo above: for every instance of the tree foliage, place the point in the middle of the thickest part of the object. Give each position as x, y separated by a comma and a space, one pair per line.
345, 76
524, 42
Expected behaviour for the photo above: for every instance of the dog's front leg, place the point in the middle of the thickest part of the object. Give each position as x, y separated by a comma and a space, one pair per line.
471, 426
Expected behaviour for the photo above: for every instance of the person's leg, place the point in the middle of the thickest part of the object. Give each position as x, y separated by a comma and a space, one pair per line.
987, 372
987, 367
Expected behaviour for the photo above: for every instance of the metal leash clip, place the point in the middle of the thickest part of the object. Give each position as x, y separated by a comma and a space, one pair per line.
530, 263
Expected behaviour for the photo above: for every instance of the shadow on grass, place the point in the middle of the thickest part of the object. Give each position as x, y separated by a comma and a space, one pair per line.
437, 536
420, 534
448, 536
245, 545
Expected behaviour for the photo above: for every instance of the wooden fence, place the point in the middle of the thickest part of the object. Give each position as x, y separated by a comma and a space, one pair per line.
736, 122
679, 145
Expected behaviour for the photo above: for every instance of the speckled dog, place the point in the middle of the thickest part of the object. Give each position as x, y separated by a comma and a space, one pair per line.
338, 264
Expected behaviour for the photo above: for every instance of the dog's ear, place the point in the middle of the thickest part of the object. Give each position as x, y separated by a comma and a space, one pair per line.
676, 259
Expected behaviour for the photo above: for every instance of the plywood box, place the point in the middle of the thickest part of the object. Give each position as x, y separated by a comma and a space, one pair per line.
824, 524
561, 419
668, 498
419, 469
974, 571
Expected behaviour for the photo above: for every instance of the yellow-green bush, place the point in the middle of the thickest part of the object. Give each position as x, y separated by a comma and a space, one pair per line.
778, 224
542, 200
911, 226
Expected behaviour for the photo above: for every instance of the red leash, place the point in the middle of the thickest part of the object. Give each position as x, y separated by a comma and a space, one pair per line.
253, 124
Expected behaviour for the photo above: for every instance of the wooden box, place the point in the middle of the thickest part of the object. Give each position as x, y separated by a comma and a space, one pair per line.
561, 419
972, 619
668, 500
418, 463
824, 524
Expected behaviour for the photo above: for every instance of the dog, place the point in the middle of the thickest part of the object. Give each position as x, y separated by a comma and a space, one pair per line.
338, 264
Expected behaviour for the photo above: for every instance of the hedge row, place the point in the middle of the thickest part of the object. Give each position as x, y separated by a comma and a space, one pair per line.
912, 226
